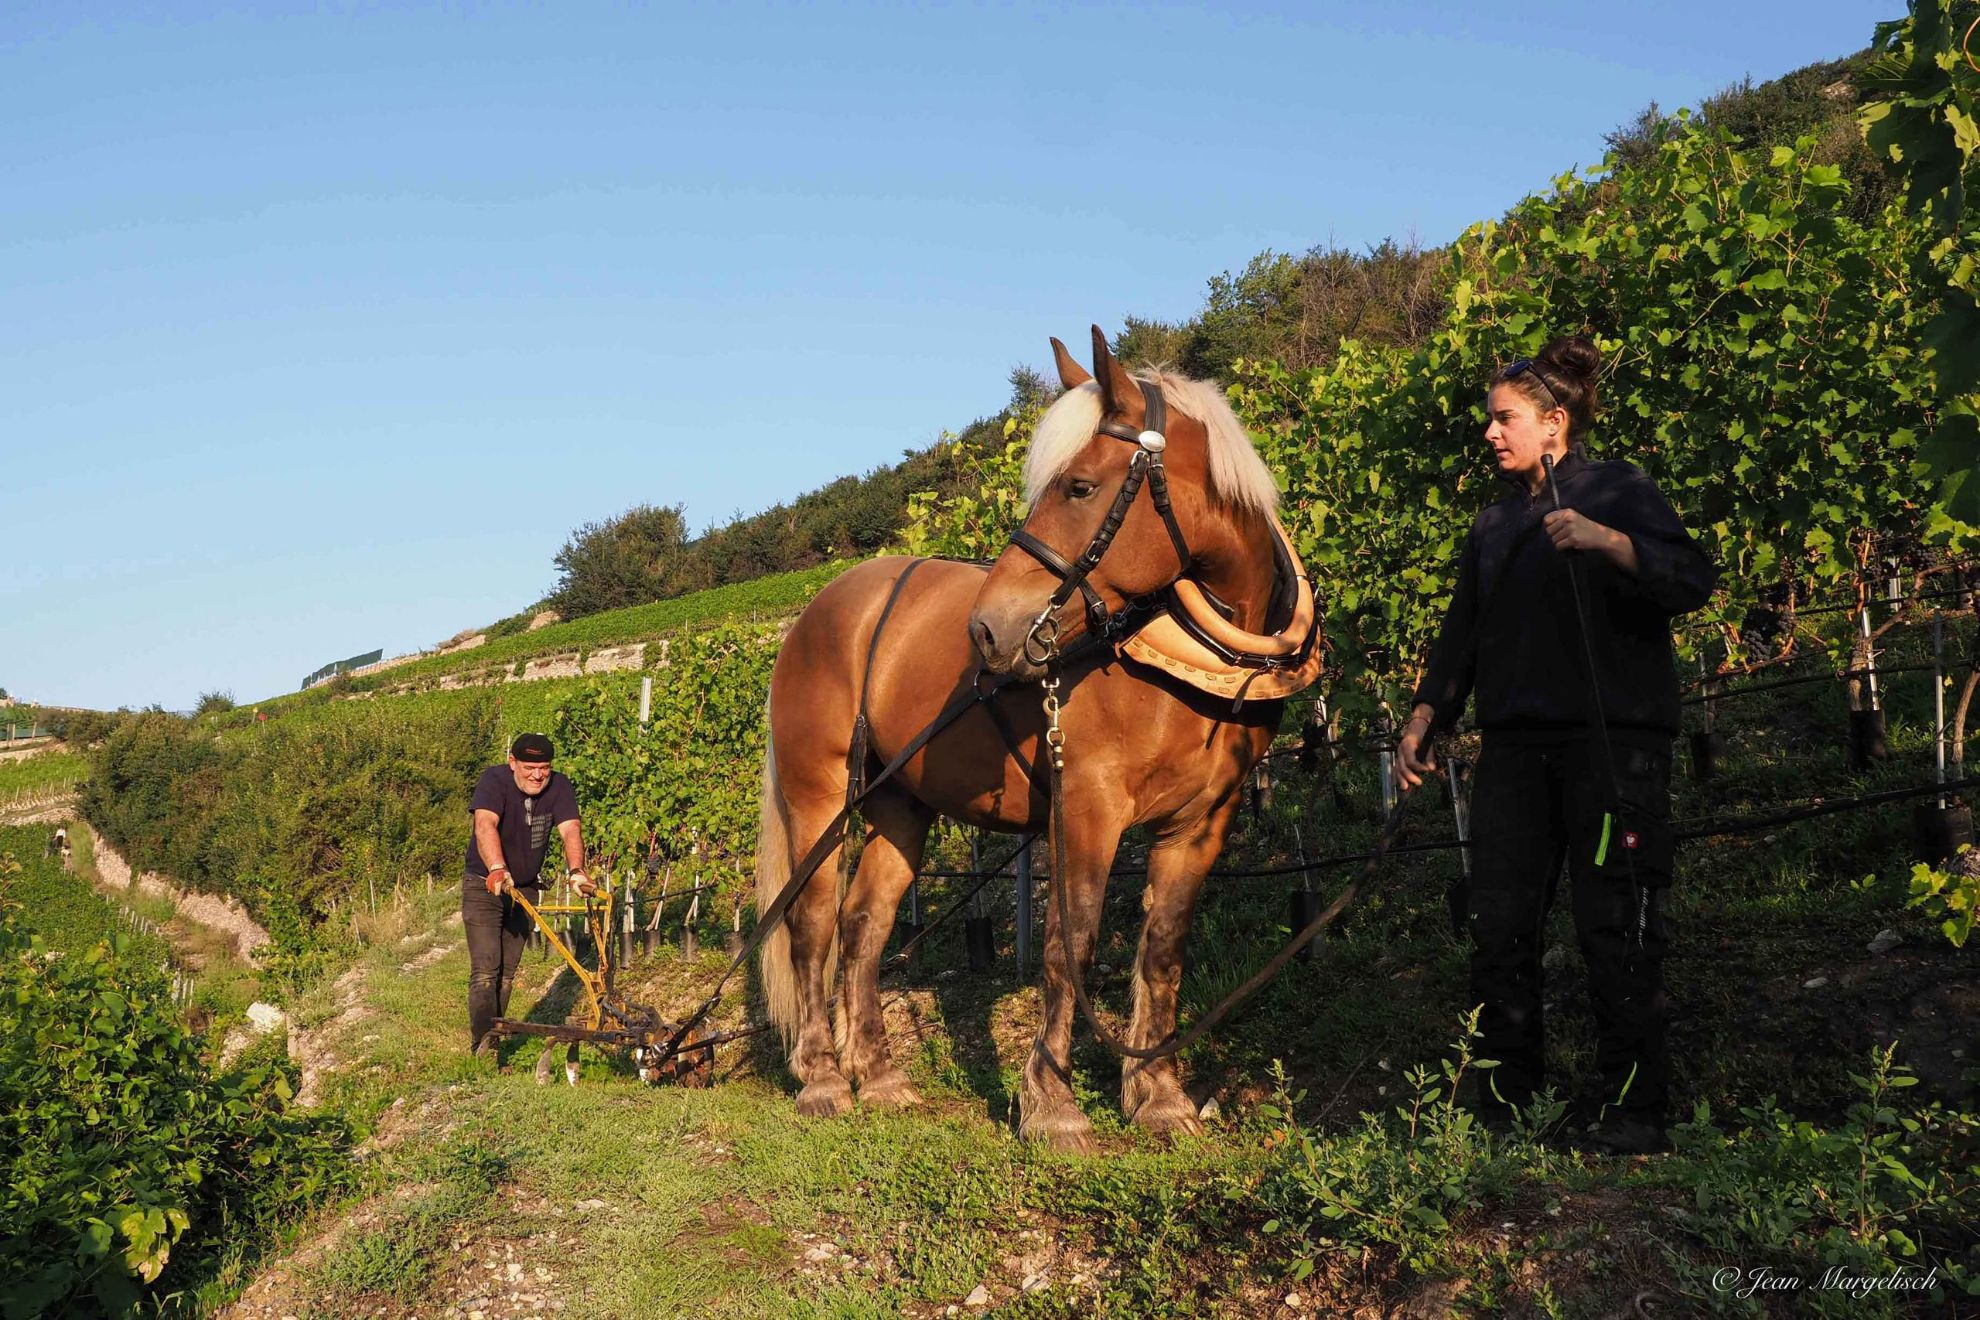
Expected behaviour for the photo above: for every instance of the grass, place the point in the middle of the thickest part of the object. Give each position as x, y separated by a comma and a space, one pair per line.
520, 707
60, 906
68, 910
396, 1255
723, 1203
41, 774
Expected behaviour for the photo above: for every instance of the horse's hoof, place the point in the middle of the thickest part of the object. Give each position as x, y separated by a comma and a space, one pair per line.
1063, 1129
1169, 1115
825, 1099
890, 1090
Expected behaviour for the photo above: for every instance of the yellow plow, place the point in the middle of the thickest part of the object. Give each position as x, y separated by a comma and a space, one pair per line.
609, 1021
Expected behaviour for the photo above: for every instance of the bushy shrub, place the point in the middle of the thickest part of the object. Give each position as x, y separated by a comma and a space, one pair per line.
125, 1164
291, 820
611, 564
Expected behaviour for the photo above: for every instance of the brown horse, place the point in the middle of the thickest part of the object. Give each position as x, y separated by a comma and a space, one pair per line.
1141, 748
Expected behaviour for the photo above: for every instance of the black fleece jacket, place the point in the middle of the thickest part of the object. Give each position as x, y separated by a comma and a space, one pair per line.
1511, 634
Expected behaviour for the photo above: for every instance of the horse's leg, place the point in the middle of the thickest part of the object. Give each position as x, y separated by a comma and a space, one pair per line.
1151, 1089
897, 833
813, 924
1047, 1111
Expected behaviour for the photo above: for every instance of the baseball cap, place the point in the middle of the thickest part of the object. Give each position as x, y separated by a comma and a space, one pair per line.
531, 747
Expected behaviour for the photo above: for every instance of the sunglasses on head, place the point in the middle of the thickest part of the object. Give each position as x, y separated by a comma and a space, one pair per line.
1531, 368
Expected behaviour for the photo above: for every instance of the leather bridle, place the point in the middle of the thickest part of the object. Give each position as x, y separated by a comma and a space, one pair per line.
1041, 641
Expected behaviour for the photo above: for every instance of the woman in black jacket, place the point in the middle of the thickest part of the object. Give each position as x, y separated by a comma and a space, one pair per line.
1559, 776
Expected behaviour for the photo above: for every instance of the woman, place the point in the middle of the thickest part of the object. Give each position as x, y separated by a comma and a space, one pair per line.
1561, 774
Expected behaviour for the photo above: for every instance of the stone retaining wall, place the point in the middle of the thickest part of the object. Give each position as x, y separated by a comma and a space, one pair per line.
225, 915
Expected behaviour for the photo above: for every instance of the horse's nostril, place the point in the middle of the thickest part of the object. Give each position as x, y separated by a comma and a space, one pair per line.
986, 641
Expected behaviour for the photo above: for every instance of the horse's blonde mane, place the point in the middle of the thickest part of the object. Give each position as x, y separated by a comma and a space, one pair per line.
1238, 476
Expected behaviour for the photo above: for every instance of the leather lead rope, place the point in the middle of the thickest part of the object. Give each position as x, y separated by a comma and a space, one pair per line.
1599, 723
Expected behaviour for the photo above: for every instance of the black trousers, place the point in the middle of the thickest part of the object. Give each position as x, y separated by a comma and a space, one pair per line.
1534, 806
497, 928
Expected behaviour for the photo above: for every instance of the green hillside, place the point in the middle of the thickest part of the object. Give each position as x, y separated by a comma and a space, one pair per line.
775, 596
1762, 293
1294, 309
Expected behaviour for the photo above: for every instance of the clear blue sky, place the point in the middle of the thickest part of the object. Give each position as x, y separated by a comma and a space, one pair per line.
320, 330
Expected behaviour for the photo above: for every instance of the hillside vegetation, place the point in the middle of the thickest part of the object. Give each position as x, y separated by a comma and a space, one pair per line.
132, 1169
1294, 309
1762, 308
1762, 367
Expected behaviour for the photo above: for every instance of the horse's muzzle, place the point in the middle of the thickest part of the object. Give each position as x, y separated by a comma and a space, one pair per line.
999, 638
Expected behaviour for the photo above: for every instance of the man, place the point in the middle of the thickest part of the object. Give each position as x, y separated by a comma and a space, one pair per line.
515, 806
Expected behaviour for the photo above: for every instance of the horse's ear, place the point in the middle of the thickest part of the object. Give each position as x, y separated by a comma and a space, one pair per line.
1071, 374
1116, 385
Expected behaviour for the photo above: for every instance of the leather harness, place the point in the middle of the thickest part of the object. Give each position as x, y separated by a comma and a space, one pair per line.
1179, 629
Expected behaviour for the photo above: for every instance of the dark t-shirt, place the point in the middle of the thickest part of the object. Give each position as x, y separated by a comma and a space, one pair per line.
522, 822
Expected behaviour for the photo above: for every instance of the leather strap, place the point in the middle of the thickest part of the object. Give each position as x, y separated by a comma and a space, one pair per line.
1069, 575
1145, 468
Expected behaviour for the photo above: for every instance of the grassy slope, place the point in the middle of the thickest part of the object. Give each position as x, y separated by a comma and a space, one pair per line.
722, 1203
46, 772
59, 905
70, 911
521, 706
779, 594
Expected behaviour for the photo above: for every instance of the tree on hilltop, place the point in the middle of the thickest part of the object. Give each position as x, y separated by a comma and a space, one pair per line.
609, 565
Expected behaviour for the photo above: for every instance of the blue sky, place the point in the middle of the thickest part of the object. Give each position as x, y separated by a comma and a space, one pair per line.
321, 327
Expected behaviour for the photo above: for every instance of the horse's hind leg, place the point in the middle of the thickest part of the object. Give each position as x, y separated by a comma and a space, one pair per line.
897, 833
1151, 1089
813, 921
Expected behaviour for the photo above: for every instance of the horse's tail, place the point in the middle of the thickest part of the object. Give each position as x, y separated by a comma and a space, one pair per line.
773, 872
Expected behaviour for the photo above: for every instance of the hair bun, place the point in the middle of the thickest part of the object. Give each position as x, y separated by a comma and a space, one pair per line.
1573, 355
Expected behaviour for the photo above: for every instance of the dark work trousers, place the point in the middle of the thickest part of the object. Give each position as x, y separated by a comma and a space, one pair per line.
497, 927
1532, 805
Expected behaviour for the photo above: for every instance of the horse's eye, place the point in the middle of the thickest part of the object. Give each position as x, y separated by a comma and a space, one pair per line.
1079, 489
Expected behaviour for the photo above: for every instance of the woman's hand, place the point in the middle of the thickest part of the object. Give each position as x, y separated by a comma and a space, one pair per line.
1416, 755
1571, 531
